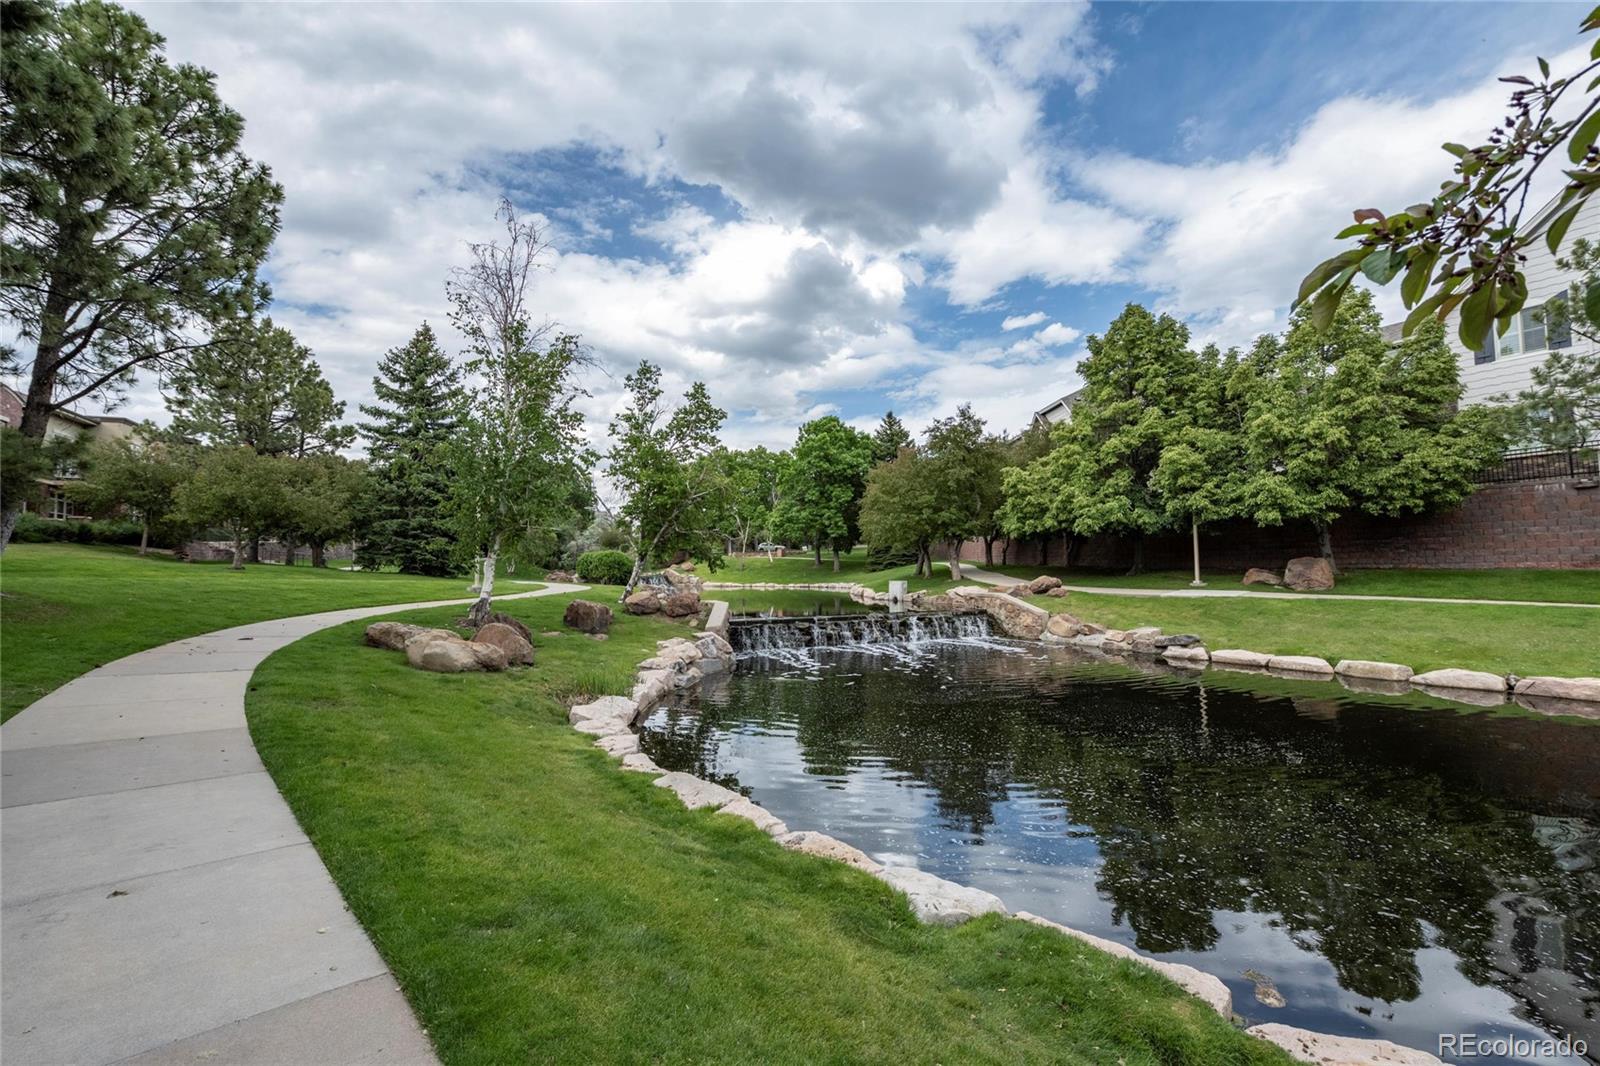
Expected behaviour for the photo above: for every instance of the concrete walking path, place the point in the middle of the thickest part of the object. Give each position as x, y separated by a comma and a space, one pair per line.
988, 577
158, 901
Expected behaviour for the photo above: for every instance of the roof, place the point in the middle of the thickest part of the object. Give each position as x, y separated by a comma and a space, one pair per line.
15, 399
1063, 403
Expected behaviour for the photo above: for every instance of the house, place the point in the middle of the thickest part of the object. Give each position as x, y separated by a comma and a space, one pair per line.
1058, 411
1503, 365
54, 501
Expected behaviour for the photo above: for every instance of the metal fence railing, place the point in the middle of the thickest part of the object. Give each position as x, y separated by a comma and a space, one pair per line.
1541, 464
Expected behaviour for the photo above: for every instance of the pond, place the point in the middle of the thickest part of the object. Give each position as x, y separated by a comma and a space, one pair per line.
1379, 867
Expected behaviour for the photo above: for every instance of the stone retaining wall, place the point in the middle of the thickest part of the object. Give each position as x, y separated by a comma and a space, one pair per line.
1552, 524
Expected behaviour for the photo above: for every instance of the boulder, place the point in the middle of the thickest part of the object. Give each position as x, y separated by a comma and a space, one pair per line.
1308, 573
683, 580
1323, 1050
1019, 590
680, 604
651, 686
442, 656
394, 635
824, 846
1299, 664
515, 623
1115, 647
1143, 633
1237, 657
1197, 983
586, 616
1561, 688
1059, 592
642, 601
565, 577
756, 815
1044, 583
1063, 625
1179, 640
1189, 655
937, 901
1257, 576
1373, 671
1474, 680
514, 646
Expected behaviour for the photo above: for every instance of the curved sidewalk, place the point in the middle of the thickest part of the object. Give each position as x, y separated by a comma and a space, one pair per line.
158, 901
989, 577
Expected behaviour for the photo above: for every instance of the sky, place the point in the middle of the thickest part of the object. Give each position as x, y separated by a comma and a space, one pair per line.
841, 209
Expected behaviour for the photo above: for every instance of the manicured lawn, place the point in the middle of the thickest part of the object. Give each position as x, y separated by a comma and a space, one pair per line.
65, 609
800, 570
1558, 586
1425, 636
539, 905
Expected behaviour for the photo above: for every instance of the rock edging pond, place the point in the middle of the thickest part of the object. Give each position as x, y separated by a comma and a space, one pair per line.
681, 662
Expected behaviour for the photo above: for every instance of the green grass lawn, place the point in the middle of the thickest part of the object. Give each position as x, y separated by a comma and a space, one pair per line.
537, 904
1563, 641
1558, 586
801, 570
66, 609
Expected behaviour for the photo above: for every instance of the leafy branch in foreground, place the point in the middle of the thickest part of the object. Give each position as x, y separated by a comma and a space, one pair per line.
1464, 249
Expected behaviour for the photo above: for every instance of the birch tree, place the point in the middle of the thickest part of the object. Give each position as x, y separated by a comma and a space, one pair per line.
521, 434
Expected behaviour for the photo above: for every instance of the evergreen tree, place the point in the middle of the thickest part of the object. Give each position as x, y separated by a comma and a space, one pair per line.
132, 221
890, 436
257, 386
402, 520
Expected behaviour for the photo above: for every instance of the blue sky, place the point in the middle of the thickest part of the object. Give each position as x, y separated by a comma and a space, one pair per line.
832, 209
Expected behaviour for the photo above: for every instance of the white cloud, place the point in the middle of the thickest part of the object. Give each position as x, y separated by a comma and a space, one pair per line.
1023, 321
1055, 334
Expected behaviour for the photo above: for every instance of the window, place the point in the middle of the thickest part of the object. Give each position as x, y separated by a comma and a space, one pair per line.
56, 505
1535, 329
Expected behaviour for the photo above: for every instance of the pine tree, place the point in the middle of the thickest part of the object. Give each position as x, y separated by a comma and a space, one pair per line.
890, 436
403, 522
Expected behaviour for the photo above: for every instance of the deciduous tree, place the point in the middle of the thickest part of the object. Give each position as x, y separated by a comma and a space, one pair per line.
141, 473
667, 467
753, 479
236, 490
820, 494
521, 433
899, 510
133, 223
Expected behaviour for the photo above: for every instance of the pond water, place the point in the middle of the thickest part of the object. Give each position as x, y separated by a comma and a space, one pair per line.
1391, 869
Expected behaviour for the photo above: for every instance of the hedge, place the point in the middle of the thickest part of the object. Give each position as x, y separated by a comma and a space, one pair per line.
605, 567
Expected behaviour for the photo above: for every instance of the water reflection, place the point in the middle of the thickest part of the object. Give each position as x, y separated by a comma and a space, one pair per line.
1394, 870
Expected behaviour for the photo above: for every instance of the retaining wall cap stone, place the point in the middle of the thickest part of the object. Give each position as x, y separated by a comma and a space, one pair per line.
937, 901
1376, 671
1476, 680
1325, 1050
1300, 664
1197, 983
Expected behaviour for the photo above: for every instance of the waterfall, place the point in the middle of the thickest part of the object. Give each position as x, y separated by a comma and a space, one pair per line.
761, 636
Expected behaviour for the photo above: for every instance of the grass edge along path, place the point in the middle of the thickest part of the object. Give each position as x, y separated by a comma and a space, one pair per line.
537, 903
66, 609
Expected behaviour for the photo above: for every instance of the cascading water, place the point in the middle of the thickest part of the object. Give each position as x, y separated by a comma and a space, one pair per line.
792, 638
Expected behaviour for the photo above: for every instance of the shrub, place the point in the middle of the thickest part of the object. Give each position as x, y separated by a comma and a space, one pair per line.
31, 529
605, 567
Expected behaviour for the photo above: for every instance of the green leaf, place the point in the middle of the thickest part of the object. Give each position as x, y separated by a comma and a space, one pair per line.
1584, 136
1544, 67
1476, 314
1558, 228
1591, 302
1323, 271
1415, 283
1422, 311
1383, 264
1457, 150
1360, 229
